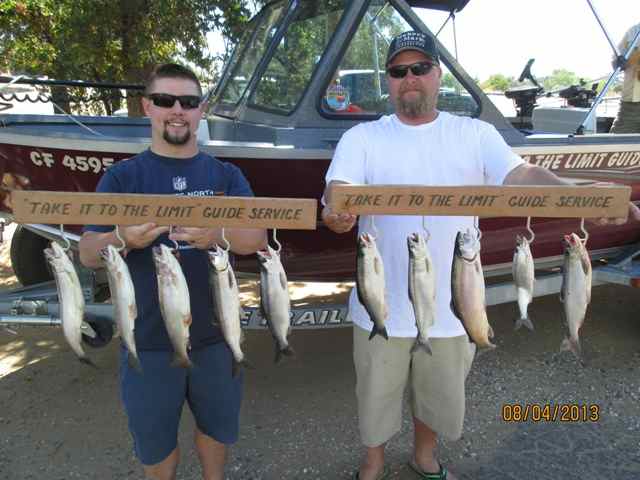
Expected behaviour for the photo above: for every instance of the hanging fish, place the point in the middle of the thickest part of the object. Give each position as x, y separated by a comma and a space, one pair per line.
370, 284
123, 298
467, 289
275, 304
523, 278
70, 298
575, 293
226, 301
422, 289
175, 304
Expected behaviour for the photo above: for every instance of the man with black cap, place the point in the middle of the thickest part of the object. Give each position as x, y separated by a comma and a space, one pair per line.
418, 145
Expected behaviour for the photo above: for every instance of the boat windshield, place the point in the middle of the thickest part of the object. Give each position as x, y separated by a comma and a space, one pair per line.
249, 51
294, 61
359, 84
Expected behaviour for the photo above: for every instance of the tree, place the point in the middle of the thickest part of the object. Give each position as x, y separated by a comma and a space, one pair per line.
113, 41
560, 78
498, 82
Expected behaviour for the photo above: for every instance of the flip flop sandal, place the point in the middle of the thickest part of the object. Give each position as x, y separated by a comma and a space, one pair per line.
441, 475
382, 476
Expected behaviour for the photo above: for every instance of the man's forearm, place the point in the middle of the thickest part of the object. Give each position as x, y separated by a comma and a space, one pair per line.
533, 175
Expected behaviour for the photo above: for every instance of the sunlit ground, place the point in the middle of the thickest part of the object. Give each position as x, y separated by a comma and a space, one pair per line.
301, 293
13, 354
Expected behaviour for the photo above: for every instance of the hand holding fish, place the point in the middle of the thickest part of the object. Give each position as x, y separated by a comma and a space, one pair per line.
141, 236
338, 222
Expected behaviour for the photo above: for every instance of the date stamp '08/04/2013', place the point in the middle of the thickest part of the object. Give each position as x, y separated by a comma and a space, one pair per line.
550, 412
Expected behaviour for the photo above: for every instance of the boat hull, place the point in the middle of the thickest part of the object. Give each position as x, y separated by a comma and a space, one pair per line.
76, 164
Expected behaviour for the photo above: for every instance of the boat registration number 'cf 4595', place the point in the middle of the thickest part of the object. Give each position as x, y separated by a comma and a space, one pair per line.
80, 163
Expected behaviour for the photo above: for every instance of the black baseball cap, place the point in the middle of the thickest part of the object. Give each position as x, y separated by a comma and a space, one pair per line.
413, 41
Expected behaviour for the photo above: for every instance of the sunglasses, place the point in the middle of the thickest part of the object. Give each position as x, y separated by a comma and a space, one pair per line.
417, 69
165, 100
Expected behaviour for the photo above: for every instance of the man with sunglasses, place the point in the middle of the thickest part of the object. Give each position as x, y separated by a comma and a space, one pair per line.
417, 145
153, 398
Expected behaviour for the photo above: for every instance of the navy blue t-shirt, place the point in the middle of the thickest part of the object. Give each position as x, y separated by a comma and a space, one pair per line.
202, 175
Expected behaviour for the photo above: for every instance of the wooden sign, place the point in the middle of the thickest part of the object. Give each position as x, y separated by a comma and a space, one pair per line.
133, 209
483, 201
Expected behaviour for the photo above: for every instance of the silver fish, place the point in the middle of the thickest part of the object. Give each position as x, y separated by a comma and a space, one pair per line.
275, 304
123, 298
226, 300
575, 293
370, 284
467, 289
175, 304
70, 298
422, 291
524, 278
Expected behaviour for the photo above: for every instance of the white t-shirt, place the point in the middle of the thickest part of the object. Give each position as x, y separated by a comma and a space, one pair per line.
451, 150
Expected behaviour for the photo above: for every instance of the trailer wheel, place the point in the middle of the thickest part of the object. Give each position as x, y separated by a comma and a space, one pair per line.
27, 257
104, 333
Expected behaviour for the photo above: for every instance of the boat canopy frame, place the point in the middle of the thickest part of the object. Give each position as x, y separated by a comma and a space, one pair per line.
246, 121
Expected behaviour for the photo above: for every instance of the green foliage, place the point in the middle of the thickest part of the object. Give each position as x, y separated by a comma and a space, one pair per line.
560, 78
448, 81
498, 82
297, 54
112, 40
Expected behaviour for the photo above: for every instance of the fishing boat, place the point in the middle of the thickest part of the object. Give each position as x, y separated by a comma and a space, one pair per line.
303, 73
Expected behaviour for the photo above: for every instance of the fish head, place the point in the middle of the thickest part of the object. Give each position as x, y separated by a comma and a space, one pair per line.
522, 244
219, 259
417, 245
162, 255
57, 257
366, 241
572, 244
468, 244
265, 258
109, 254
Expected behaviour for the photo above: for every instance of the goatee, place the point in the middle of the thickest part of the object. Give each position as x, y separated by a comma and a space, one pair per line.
176, 139
415, 107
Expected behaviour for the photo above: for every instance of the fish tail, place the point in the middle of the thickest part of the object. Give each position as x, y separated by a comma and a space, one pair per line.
237, 366
181, 361
134, 362
422, 344
87, 361
573, 345
286, 351
526, 321
379, 331
482, 349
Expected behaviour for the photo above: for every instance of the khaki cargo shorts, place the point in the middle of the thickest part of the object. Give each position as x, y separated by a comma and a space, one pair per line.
384, 368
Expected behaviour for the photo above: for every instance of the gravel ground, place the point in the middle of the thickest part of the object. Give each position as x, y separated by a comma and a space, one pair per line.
62, 420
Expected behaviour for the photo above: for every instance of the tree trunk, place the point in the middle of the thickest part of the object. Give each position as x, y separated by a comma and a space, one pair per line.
134, 104
60, 96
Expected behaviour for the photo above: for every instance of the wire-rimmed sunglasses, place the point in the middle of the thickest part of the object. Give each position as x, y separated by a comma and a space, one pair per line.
418, 69
166, 100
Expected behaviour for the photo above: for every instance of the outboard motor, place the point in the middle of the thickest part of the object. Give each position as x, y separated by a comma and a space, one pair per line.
525, 96
578, 96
